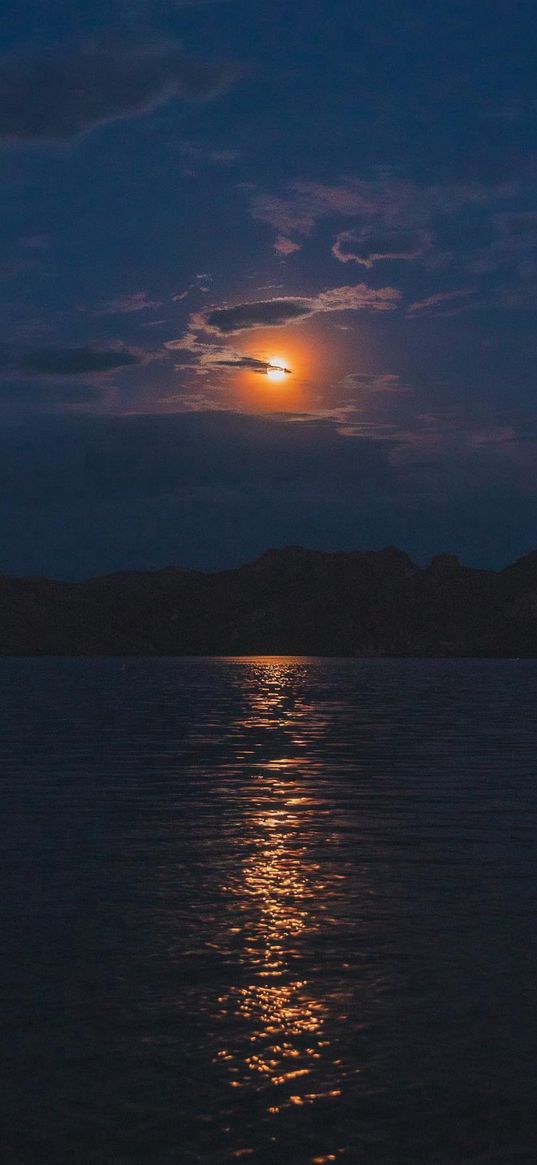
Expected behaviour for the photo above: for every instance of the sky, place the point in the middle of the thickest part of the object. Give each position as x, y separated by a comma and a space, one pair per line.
268, 273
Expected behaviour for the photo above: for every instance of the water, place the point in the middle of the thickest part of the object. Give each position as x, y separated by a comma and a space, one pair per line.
268, 911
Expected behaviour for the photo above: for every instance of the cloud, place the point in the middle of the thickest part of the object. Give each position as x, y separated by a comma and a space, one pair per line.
57, 95
203, 350
201, 283
153, 455
513, 246
250, 363
16, 267
128, 304
273, 313
433, 302
385, 382
204, 358
37, 242
215, 489
367, 247
209, 155
43, 396
391, 203
265, 313
285, 246
71, 361
521, 225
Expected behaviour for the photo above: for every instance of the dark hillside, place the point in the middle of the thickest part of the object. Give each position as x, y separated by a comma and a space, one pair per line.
290, 601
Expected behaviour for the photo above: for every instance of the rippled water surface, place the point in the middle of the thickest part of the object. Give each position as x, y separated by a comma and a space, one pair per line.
268, 911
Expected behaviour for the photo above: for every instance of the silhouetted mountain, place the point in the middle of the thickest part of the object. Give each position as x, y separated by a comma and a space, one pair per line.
291, 601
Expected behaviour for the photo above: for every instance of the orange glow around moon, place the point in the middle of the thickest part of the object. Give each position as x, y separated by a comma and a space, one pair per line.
291, 363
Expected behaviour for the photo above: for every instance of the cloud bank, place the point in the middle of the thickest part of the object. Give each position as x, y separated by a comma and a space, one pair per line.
70, 361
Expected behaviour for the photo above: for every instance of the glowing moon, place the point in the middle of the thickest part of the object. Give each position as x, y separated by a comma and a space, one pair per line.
276, 369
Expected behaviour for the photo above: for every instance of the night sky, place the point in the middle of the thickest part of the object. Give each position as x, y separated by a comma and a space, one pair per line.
195, 195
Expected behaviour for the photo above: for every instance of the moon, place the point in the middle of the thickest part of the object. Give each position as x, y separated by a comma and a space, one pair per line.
276, 369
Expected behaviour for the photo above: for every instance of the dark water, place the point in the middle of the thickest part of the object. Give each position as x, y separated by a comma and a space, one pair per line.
268, 911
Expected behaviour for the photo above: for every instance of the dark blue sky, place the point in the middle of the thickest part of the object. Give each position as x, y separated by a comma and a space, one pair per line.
193, 191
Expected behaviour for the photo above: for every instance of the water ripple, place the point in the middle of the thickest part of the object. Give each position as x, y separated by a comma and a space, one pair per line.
271, 910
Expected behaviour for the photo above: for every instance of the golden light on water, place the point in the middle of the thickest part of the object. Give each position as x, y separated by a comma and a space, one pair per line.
278, 883
278, 899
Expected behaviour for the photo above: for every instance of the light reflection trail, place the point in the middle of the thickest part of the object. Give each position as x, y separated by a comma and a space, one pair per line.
279, 897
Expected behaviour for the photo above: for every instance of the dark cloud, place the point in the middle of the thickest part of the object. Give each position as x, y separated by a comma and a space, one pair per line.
73, 361
216, 489
154, 455
368, 247
60, 94
270, 313
250, 363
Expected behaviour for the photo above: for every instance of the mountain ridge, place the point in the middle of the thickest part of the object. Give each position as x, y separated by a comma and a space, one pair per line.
291, 601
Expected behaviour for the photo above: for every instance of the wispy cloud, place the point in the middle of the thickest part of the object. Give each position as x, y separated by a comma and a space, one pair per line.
200, 283
209, 155
434, 303
128, 304
363, 382
59, 94
387, 202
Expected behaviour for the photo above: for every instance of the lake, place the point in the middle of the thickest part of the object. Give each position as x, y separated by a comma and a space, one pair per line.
268, 911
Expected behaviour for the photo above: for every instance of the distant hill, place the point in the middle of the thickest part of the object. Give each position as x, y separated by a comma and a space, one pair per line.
291, 601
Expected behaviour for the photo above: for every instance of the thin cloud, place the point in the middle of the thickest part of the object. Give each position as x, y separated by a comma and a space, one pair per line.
128, 304
209, 155
382, 383
433, 302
